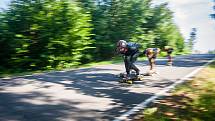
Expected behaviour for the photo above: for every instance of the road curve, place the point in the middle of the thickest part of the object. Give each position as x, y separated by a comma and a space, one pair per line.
87, 94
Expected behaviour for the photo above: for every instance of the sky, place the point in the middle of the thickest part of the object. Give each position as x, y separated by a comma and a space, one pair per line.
4, 3
188, 14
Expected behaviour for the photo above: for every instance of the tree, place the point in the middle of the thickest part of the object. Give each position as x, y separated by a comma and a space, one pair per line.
46, 33
114, 20
132, 20
43, 34
191, 40
161, 30
213, 15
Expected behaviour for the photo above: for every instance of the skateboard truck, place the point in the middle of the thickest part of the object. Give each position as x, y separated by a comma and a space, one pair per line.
131, 78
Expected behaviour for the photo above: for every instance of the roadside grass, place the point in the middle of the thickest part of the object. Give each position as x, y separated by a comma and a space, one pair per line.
10, 73
115, 60
192, 101
7, 73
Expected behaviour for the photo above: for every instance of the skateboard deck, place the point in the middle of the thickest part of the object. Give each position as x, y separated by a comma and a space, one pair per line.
131, 79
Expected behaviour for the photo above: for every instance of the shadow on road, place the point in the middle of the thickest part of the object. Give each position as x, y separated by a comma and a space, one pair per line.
17, 106
95, 82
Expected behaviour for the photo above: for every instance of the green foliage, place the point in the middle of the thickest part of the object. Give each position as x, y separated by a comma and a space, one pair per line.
133, 20
165, 31
46, 34
211, 51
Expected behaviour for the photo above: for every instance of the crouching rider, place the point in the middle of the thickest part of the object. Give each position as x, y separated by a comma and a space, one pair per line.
151, 54
130, 52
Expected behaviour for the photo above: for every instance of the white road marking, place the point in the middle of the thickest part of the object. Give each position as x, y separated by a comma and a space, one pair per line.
142, 105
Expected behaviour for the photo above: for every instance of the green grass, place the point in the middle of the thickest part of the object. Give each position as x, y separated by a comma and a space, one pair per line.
191, 101
115, 60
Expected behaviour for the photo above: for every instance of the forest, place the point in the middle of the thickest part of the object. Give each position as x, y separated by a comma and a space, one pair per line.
49, 34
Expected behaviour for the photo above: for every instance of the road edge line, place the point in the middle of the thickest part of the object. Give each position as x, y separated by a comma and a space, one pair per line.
143, 104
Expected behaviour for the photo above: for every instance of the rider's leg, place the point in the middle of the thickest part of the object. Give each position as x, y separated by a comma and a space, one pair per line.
132, 60
127, 64
150, 63
169, 58
153, 63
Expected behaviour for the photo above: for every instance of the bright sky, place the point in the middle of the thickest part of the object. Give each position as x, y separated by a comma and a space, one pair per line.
4, 3
195, 13
188, 14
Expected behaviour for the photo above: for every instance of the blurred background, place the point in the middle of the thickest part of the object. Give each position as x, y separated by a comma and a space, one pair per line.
190, 14
57, 34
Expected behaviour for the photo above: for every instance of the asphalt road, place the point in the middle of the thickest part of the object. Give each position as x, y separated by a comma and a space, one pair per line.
87, 94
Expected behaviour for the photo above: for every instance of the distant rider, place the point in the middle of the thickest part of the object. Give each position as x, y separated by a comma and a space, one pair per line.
169, 51
151, 54
130, 52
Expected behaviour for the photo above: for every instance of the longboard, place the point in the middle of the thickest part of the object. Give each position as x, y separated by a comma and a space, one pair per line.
131, 79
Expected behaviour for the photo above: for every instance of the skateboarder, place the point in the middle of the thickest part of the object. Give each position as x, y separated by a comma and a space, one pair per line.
130, 52
169, 51
151, 54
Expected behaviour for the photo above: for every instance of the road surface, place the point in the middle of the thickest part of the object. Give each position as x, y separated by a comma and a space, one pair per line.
87, 94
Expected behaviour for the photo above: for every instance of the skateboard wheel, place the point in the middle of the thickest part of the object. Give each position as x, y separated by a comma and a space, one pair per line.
129, 81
